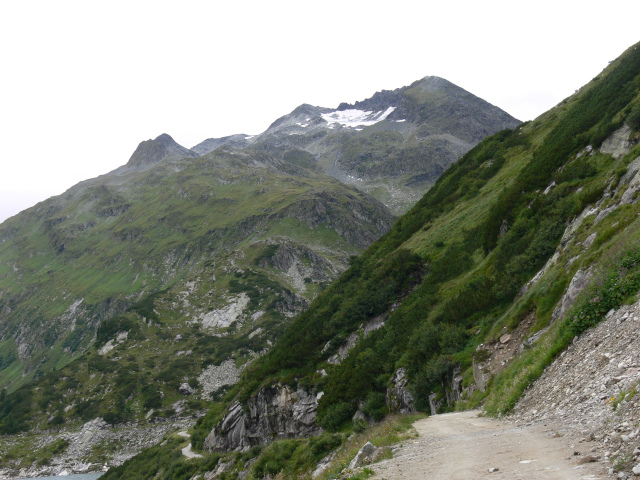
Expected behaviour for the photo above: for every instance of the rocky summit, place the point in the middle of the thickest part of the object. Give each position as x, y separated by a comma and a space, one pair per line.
393, 145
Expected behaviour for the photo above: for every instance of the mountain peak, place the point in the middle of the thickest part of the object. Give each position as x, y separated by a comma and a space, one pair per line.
161, 148
166, 139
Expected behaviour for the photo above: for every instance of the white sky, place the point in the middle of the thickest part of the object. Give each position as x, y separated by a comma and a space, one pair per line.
83, 82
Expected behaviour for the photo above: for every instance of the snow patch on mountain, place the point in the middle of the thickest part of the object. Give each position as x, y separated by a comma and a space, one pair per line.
355, 118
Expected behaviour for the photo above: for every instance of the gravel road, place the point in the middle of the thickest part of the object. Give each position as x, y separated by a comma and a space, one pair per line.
465, 446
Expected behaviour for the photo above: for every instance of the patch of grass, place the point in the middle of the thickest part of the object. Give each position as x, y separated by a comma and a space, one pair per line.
625, 395
391, 431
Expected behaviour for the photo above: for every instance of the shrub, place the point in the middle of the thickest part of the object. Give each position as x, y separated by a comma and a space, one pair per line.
375, 406
431, 378
275, 457
322, 445
336, 415
633, 119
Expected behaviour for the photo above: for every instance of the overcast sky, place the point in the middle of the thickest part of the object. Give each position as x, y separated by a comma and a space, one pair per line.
82, 83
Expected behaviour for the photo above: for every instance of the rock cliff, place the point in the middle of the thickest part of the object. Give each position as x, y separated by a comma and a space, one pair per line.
276, 412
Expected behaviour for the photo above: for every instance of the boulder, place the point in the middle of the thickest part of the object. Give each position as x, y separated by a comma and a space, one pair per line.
365, 455
185, 389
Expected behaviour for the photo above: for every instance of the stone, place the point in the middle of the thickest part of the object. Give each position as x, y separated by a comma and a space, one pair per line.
323, 465
215, 377
493, 469
185, 389
364, 455
589, 240
434, 405
587, 459
478, 376
578, 390
636, 470
505, 338
359, 415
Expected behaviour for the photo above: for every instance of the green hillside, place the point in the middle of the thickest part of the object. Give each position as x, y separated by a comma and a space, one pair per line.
489, 250
90, 254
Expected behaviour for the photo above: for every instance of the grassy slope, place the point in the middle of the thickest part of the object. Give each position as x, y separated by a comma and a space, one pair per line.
109, 242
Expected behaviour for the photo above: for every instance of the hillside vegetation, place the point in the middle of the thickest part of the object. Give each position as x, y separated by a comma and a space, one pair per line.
497, 240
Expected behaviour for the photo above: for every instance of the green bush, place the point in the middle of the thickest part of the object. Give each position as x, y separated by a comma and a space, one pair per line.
275, 457
109, 328
336, 415
430, 379
621, 280
633, 119
375, 406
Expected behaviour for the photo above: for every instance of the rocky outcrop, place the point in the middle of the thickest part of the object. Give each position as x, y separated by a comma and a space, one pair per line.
210, 144
479, 378
453, 387
275, 412
223, 317
399, 399
578, 283
365, 329
618, 143
299, 262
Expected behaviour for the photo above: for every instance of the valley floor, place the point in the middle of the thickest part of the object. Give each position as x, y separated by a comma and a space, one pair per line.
465, 446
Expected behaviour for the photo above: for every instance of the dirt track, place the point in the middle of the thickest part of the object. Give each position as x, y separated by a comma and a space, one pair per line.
465, 446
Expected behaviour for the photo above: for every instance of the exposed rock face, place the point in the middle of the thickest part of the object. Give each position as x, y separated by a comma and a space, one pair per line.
275, 412
434, 403
618, 143
578, 283
453, 388
210, 144
185, 389
352, 339
300, 263
479, 377
399, 399
224, 317
364, 330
